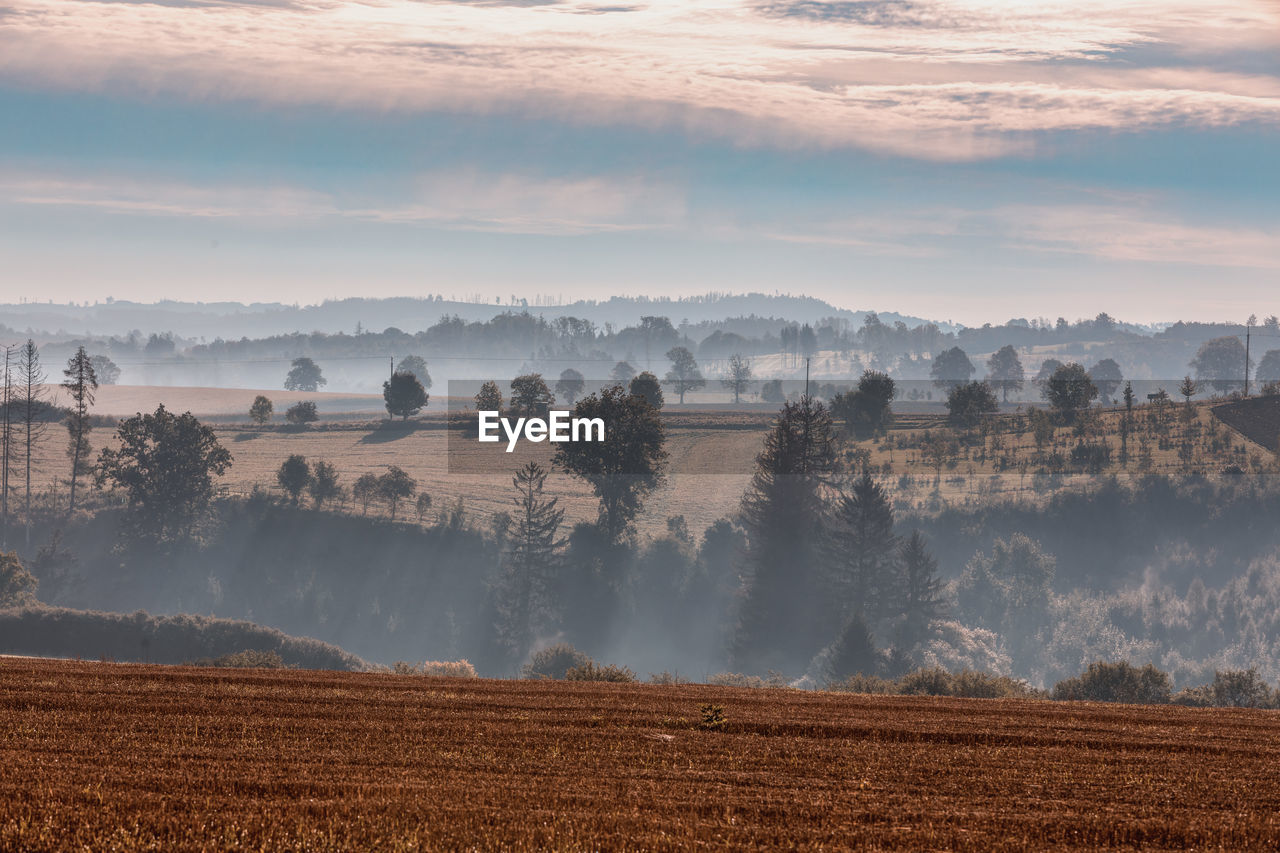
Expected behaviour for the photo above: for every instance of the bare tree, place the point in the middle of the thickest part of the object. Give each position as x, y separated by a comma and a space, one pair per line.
31, 412
6, 441
739, 376
81, 382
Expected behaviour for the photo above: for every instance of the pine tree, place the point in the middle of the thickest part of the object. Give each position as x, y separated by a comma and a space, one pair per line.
782, 513
81, 382
862, 551
535, 548
7, 445
920, 600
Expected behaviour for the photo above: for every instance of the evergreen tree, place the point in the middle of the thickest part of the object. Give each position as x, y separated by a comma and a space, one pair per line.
523, 599
862, 554
80, 383
782, 513
32, 417
403, 395
920, 596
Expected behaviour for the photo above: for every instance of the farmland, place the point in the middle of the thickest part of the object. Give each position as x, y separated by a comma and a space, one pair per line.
712, 451
127, 757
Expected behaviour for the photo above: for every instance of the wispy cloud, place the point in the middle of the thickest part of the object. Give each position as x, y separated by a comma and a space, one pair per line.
946, 80
470, 201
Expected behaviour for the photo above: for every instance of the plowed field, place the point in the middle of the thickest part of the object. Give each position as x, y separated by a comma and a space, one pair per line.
102, 756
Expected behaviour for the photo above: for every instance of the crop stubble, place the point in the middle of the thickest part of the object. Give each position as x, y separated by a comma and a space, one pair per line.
106, 756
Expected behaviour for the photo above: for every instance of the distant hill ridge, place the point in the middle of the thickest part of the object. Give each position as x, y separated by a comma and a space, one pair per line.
233, 320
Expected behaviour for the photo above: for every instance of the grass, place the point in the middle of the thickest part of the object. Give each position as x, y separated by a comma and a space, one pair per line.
103, 756
712, 452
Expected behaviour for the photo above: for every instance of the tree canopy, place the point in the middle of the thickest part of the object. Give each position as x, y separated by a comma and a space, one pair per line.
304, 375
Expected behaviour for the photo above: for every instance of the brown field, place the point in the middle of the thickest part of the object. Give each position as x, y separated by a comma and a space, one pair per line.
132, 757
1257, 419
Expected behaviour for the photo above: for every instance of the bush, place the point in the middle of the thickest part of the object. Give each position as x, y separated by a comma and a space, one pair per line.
63, 632
1116, 682
667, 678
591, 671
554, 662
248, 659
1241, 688
737, 679
713, 718
868, 684
437, 668
936, 681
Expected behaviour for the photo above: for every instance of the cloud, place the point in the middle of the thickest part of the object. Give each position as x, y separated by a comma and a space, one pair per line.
943, 80
506, 203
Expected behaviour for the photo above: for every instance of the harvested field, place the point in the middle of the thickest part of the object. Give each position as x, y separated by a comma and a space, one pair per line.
1257, 419
104, 756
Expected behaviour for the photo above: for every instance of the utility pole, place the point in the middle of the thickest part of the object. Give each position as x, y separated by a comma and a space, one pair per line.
1248, 329
392, 359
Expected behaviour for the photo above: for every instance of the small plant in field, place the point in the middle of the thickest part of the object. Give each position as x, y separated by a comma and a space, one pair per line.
713, 718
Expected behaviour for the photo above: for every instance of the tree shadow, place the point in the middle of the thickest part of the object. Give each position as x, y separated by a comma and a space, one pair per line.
388, 431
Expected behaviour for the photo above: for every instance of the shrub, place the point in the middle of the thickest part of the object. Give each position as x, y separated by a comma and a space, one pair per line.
554, 662
983, 685
1116, 682
248, 659
1241, 688
591, 671
926, 682
869, 684
665, 677
713, 718
737, 679
437, 668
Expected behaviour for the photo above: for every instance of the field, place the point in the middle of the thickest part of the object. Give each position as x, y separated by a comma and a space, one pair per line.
131, 757
925, 464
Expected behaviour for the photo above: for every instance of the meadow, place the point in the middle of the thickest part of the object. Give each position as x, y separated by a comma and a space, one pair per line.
926, 464
133, 757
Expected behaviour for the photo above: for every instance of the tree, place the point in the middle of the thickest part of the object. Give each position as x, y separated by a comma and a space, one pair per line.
646, 385
395, 486
1106, 377
523, 595
365, 491
1188, 390
627, 465
416, 365
31, 406
302, 412
867, 410
771, 392
862, 552
403, 395
1269, 367
8, 439
783, 513
921, 601
1221, 362
1069, 390
422, 506
684, 374
489, 398
1008, 591
570, 385
165, 464
294, 475
1004, 371
17, 585
323, 485
656, 331
739, 377
261, 410
622, 373
951, 368
854, 652
304, 375
530, 396
80, 382
969, 403
1048, 367
105, 369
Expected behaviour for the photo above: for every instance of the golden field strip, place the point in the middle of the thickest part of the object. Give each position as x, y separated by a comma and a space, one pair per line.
711, 456
132, 757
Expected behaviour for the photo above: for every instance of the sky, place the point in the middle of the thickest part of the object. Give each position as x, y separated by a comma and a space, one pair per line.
963, 161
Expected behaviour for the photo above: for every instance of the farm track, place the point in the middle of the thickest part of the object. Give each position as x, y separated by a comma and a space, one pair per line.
127, 757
